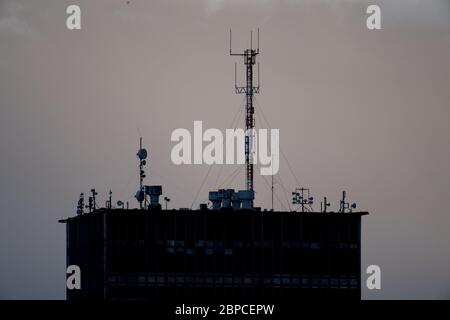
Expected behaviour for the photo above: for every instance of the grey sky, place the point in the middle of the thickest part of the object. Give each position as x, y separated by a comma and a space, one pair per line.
357, 110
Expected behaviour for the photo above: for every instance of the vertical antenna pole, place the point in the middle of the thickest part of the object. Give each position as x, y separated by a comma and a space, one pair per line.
258, 41
272, 183
230, 42
249, 118
142, 155
342, 209
303, 199
140, 172
235, 75
249, 89
258, 74
94, 193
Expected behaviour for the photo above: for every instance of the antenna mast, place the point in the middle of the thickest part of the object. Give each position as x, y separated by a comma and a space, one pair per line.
142, 155
249, 89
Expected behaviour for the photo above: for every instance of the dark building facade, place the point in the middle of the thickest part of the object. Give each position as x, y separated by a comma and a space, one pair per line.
158, 254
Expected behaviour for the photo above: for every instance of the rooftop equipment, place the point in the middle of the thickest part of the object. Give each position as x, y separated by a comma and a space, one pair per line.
302, 197
154, 192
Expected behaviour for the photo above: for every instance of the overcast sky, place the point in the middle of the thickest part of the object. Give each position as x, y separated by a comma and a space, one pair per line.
365, 111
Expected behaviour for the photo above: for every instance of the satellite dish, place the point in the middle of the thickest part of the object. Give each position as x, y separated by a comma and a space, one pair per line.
139, 196
354, 205
142, 154
119, 203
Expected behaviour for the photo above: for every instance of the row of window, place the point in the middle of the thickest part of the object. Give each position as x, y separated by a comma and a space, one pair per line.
207, 251
241, 244
227, 280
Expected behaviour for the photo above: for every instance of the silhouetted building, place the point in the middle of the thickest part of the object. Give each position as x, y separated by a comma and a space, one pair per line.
148, 254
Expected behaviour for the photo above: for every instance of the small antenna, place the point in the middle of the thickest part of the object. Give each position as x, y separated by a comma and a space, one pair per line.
272, 183
272, 192
258, 42
230, 43
258, 77
166, 199
343, 203
142, 155
346, 205
325, 205
235, 75
110, 199
90, 204
80, 206
94, 203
